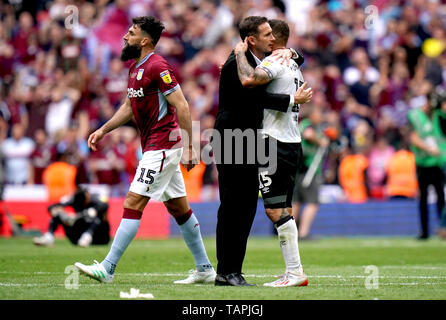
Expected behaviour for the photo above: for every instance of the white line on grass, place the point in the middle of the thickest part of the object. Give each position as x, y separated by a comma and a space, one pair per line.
144, 274
8, 284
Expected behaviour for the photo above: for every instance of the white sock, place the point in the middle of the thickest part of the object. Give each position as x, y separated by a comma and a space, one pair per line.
287, 233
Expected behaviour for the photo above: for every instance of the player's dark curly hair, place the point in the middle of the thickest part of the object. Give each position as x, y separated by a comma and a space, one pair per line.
250, 26
150, 25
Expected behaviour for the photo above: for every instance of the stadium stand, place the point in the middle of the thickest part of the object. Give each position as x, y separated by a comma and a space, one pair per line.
60, 60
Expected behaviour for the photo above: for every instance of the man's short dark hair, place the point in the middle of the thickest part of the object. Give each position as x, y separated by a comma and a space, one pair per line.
281, 30
150, 25
250, 26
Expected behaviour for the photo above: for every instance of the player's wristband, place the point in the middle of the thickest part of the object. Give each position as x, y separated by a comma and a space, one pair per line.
294, 54
297, 56
291, 101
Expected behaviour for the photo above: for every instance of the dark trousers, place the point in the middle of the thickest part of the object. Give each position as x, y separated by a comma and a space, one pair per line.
239, 191
430, 176
100, 232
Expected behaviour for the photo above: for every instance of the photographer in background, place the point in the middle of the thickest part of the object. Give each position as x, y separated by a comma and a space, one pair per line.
88, 226
428, 144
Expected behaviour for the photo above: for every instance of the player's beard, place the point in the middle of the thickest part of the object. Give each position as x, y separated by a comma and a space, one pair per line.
130, 52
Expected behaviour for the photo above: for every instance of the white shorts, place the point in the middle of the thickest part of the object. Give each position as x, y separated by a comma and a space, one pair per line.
159, 176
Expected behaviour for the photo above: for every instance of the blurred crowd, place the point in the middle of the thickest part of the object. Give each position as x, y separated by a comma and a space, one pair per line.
61, 76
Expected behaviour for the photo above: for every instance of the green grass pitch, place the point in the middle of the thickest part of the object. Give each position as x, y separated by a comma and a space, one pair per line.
336, 267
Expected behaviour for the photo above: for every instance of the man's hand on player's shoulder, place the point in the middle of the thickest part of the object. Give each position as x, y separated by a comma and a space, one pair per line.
241, 47
282, 55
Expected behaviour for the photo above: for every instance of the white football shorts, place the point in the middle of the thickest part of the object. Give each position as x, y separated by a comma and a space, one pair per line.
159, 176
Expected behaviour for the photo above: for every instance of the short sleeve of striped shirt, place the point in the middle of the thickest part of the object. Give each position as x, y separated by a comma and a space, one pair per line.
272, 67
163, 74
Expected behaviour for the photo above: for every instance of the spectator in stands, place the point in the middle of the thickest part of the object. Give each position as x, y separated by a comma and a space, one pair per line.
74, 149
4, 118
22, 35
378, 158
17, 151
115, 83
37, 108
105, 39
59, 111
14, 100
43, 155
360, 69
88, 226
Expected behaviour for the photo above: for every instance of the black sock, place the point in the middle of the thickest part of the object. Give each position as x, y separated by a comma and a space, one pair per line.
283, 220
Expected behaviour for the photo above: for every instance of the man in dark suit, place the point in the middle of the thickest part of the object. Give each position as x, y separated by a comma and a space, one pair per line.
240, 108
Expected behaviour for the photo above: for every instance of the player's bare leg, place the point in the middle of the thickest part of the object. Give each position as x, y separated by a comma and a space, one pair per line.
287, 233
134, 205
190, 228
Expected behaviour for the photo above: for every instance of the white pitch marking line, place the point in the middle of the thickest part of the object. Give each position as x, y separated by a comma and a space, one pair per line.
274, 275
6, 284
144, 274
9, 284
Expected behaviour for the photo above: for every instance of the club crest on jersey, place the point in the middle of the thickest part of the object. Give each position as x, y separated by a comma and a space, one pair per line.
165, 75
139, 75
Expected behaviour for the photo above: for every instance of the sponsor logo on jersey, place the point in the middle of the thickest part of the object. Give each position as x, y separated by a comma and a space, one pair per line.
165, 75
140, 72
132, 93
266, 63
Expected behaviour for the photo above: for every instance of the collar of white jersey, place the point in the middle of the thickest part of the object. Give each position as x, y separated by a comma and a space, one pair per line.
144, 59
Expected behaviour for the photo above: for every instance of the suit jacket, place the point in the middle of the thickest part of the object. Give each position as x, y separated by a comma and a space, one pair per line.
241, 107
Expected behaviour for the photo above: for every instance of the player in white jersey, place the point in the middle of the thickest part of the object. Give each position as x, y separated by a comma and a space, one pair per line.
284, 79
277, 183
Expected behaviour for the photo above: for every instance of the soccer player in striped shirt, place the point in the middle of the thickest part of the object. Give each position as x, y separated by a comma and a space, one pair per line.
155, 100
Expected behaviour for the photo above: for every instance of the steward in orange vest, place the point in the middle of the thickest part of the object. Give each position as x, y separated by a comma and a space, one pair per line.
352, 177
60, 180
402, 175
